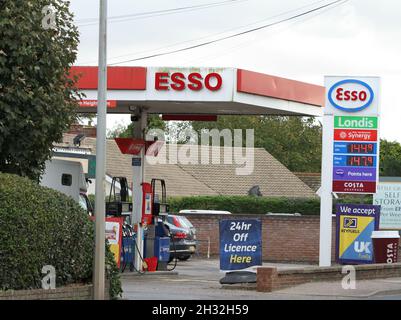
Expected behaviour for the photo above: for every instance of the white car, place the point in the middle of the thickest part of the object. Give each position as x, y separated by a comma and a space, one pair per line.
204, 212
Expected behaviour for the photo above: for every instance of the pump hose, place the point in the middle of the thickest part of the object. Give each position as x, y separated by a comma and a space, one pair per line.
132, 264
140, 256
124, 264
175, 251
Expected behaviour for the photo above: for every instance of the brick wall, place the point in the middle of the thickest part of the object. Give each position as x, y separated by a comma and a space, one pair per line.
83, 292
72, 292
284, 238
269, 278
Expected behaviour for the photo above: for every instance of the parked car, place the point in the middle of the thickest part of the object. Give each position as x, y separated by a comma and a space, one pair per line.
183, 244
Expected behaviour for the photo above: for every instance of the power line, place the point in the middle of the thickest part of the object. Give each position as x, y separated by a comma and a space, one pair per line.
331, 4
242, 44
149, 14
213, 35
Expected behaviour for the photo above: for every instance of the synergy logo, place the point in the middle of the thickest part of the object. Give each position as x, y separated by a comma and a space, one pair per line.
350, 223
351, 95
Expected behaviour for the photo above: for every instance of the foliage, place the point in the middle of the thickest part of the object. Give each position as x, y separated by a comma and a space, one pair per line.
40, 226
113, 274
257, 205
294, 141
122, 131
390, 159
37, 99
246, 204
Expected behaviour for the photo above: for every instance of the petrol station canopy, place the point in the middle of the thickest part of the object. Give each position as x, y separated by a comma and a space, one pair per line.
199, 91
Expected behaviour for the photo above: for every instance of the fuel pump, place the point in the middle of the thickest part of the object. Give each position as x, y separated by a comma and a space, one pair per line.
160, 206
117, 203
157, 239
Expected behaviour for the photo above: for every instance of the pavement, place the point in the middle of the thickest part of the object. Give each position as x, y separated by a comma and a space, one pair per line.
198, 279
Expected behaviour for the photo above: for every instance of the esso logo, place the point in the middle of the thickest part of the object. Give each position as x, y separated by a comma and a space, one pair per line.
351, 95
194, 81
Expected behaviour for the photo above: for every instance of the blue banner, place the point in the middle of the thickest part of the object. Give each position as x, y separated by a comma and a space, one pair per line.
240, 244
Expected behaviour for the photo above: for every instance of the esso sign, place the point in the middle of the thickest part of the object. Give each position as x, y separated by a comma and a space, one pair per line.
351, 95
194, 81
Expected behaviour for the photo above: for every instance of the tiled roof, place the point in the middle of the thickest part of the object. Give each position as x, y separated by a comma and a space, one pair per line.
273, 178
312, 179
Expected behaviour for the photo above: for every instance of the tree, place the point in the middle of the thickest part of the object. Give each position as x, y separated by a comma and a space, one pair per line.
294, 141
390, 158
38, 45
122, 131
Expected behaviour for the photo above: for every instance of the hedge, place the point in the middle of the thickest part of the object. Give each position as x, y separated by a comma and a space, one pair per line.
256, 205
40, 226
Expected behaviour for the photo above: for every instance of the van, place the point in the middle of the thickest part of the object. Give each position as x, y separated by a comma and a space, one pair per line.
67, 177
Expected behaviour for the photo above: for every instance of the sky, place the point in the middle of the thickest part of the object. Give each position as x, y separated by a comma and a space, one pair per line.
354, 38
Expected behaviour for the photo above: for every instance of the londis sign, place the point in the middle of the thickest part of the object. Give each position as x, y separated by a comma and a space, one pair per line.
352, 95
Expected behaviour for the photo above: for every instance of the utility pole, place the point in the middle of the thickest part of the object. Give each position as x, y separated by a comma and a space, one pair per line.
99, 270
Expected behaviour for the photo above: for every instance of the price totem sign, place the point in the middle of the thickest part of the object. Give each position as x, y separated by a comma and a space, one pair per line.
350, 146
353, 104
355, 154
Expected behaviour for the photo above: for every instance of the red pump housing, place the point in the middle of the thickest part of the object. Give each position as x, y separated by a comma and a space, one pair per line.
147, 200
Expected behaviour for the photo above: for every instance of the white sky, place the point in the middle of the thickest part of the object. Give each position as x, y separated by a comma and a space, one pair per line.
359, 37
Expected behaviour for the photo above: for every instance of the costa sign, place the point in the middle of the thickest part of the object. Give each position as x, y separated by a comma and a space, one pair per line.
351, 95
193, 81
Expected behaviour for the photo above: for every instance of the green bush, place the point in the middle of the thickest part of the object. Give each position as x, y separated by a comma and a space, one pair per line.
257, 205
40, 226
246, 204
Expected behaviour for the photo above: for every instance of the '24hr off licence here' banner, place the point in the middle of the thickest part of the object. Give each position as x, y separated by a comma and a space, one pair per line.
240, 244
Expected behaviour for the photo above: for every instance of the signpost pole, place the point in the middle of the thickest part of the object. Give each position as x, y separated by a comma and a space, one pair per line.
326, 199
99, 271
138, 177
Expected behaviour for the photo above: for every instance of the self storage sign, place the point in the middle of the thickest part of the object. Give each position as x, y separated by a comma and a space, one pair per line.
388, 196
355, 224
240, 244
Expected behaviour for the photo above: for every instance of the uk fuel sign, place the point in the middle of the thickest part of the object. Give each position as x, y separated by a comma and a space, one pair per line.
355, 224
353, 103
